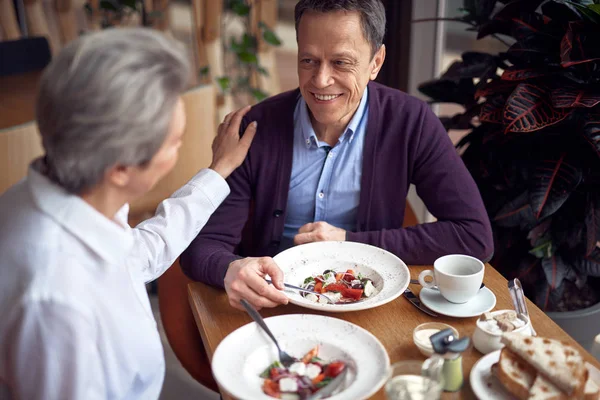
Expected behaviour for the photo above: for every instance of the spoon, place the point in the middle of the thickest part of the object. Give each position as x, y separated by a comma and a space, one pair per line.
284, 357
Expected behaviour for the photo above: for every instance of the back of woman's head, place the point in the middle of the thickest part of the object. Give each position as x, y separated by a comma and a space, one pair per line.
107, 99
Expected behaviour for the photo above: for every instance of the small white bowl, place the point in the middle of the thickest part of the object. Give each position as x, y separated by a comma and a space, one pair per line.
486, 341
425, 346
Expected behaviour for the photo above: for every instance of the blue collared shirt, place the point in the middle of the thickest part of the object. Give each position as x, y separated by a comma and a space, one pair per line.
325, 181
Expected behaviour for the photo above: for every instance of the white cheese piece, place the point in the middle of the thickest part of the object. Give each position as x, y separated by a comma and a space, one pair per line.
355, 282
323, 300
334, 296
312, 371
288, 385
369, 289
298, 368
330, 279
312, 297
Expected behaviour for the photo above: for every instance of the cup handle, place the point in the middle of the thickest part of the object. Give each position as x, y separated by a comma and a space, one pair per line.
422, 277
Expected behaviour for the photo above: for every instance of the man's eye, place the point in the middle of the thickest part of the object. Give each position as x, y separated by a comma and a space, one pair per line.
341, 63
306, 61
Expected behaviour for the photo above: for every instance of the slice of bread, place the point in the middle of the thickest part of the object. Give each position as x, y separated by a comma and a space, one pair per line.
558, 362
591, 390
543, 389
515, 375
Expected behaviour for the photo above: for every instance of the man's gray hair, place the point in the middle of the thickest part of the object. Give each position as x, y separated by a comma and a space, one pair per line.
372, 16
108, 99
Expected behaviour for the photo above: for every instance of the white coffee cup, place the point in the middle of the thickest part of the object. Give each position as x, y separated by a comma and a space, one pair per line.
458, 277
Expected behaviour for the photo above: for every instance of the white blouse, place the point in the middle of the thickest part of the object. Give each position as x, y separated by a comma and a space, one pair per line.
75, 318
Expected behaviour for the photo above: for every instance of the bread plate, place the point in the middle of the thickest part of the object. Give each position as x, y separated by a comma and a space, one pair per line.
487, 387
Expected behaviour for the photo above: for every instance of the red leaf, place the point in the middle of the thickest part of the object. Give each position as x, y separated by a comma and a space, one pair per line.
570, 96
522, 74
495, 87
579, 45
515, 213
553, 181
493, 110
528, 109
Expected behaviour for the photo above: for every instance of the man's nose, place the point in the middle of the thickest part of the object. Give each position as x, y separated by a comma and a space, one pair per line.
322, 77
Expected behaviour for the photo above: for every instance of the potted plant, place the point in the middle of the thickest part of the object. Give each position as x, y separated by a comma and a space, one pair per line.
533, 147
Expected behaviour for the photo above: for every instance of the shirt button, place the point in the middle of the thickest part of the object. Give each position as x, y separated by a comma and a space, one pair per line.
321, 195
330, 154
277, 213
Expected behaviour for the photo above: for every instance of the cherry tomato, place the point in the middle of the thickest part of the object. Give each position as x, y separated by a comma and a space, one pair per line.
334, 369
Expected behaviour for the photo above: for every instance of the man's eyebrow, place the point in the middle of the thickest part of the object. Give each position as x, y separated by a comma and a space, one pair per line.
347, 54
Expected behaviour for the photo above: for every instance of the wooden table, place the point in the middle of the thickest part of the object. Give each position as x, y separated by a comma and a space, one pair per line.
17, 98
392, 323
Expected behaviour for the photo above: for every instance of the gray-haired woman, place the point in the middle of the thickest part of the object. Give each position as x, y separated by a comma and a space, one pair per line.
76, 320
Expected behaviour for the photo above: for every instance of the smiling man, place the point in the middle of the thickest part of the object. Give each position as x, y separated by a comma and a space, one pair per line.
333, 160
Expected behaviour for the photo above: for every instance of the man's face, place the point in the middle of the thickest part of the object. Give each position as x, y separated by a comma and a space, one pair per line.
334, 64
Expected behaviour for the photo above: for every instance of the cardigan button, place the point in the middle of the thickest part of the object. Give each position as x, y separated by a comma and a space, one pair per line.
278, 213
275, 243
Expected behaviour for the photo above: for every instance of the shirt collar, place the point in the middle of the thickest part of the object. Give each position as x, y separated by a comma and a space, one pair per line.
309, 134
103, 236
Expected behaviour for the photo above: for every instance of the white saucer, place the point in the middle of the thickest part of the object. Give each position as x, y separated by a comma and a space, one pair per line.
483, 301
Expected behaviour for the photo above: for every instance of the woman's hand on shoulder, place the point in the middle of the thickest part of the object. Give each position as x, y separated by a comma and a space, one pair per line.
229, 149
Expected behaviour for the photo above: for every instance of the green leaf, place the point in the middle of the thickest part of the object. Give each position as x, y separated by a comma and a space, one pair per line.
316, 360
262, 71
203, 71
248, 42
240, 8
129, 3
247, 57
267, 372
224, 83
108, 5
545, 250
309, 279
324, 382
595, 8
271, 38
243, 81
235, 46
258, 94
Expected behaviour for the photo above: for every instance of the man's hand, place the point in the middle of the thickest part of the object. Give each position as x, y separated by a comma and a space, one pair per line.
319, 232
229, 150
245, 279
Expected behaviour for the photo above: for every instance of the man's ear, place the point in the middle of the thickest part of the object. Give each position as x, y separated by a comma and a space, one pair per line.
377, 62
119, 175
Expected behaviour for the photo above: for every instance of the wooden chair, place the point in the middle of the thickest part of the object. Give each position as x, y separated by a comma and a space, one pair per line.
180, 327
19, 146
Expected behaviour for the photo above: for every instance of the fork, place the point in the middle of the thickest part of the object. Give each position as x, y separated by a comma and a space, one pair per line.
284, 358
287, 285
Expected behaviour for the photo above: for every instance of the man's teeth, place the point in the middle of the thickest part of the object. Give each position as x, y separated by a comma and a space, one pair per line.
326, 97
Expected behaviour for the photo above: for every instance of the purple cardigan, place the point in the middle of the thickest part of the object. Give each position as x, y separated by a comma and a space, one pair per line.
405, 143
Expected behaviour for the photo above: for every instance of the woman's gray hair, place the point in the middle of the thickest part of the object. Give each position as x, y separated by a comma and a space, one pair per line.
372, 16
108, 99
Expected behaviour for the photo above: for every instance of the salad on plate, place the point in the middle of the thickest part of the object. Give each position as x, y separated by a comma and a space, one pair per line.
301, 379
341, 287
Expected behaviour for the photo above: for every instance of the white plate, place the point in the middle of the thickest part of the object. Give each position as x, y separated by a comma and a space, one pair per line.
487, 387
389, 274
245, 353
483, 301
